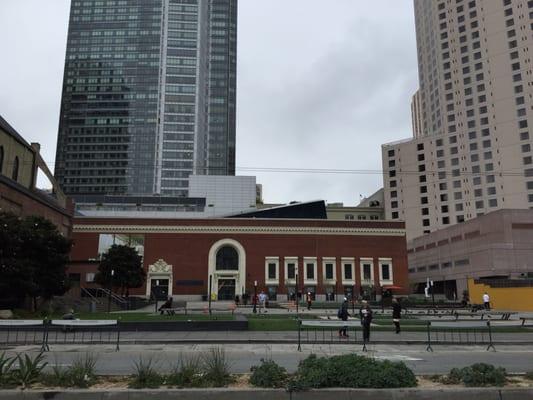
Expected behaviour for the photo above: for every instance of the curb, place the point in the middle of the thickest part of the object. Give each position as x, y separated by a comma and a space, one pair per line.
273, 394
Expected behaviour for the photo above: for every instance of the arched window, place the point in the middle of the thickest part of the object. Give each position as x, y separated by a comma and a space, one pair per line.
1, 158
15, 175
227, 259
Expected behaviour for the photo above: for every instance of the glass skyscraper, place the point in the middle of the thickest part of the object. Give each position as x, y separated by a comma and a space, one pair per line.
149, 96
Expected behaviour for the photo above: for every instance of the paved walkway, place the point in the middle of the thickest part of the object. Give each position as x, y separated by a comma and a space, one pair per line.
242, 356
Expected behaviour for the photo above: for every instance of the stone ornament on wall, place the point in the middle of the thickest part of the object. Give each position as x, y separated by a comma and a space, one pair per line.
160, 267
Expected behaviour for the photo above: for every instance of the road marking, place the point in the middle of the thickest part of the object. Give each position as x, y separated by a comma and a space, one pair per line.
398, 357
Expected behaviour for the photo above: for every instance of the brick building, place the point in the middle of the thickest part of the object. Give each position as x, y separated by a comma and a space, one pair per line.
19, 165
328, 258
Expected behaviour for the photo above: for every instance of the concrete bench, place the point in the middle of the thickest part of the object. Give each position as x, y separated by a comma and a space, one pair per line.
330, 323
177, 306
503, 314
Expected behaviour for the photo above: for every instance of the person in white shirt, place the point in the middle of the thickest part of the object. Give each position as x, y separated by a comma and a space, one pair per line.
486, 301
262, 301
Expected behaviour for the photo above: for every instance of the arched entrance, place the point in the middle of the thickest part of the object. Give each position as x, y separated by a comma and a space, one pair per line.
227, 266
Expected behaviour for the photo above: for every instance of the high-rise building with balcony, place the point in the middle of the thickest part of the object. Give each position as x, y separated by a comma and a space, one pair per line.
149, 96
472, 148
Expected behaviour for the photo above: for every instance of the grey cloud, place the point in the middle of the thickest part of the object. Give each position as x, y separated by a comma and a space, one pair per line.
321, 84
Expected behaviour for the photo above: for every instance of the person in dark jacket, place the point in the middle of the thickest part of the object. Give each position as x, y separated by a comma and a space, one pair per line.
396, 313
167, 304
343, 315
365, 313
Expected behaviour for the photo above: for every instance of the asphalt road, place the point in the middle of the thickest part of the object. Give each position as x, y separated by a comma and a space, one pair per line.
241, 357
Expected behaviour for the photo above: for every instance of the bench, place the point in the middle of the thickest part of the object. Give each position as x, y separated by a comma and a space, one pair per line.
505, 315
178, 306
524, 319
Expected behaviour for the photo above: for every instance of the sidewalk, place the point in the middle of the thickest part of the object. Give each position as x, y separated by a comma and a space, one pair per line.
277, 337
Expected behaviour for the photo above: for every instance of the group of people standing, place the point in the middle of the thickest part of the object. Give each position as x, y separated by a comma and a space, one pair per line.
365, 315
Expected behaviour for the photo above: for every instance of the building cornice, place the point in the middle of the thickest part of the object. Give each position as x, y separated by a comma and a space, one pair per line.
265, 230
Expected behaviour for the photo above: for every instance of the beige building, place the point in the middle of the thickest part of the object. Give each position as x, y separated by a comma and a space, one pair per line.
369, 208
498, 246
471, 151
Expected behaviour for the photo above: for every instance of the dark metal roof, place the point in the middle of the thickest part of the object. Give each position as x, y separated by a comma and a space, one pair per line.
308, 210
4, 125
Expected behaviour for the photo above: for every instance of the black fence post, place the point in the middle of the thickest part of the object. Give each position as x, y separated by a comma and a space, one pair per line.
210, 291
44, 346
429, 348
299, 335
491, 345
118, 335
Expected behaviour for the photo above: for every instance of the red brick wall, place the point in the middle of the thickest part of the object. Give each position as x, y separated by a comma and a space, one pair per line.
188, 253
21, 204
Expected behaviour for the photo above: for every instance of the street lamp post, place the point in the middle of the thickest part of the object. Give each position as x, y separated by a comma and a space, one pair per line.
156, 293
255, 298
297, 293
432, 293
382, 304
110, 289
353, 300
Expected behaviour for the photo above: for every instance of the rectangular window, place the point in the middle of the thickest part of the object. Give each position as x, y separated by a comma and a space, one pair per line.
367, 271
348, 272
329, 271
272, 271
310, 271
385, 272
291, 271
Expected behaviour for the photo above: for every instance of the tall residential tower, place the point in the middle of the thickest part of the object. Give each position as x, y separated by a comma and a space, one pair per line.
472, 146
149, 96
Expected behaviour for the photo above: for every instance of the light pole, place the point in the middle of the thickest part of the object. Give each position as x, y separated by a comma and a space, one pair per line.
353, 300
109, 293
255, 298
432, 293
297, 293
382, 305
156, 293
210, 292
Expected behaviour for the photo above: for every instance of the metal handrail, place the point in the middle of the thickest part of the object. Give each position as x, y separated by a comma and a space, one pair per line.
90, 295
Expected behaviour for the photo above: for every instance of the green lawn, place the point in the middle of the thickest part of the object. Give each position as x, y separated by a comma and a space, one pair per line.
140, 317
144, 317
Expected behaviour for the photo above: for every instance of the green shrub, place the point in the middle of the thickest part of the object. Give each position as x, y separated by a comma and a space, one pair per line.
353, 371
268, 375
216, 368
483, 375
477, 375
6, 370
29, 370
145, 375
58, 377
82, 373
188, 373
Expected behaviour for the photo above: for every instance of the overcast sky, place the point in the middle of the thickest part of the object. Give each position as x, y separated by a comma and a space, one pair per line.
321, 85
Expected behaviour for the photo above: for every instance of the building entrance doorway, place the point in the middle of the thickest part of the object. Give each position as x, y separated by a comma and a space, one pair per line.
159, 288
226, 289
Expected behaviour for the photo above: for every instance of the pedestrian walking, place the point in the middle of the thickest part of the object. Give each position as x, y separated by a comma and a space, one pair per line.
309, 300
365, 313
262, 301
396, 313
343, 315
486, 301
